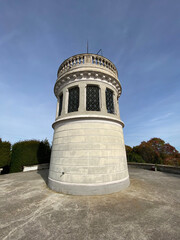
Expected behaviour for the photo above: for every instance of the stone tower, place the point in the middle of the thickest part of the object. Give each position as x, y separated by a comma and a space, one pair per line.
88, 152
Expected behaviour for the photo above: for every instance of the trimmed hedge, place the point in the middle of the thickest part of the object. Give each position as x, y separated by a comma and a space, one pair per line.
5, 153
27, 153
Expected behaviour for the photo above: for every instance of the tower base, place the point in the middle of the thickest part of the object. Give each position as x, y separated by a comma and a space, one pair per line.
88, 189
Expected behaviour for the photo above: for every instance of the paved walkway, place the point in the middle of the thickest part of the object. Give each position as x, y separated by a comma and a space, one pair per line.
148, 209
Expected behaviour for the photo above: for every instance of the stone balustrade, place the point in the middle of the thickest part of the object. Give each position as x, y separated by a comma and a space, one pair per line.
87, 60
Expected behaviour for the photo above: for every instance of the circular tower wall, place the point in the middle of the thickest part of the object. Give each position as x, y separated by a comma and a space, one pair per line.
88, 152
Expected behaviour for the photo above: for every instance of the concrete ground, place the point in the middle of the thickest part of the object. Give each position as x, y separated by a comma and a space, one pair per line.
148, 209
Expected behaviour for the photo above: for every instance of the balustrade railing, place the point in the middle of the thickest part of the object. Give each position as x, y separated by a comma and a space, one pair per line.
87, 59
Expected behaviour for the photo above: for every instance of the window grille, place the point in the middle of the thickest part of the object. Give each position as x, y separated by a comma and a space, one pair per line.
92, 98
109, 101
73, 103
60, 103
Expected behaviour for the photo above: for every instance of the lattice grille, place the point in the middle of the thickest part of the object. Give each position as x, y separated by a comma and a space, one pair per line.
92, 98
73, 103
60, 103
109, 101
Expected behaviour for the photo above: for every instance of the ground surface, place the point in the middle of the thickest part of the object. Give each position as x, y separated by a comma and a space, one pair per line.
148, 209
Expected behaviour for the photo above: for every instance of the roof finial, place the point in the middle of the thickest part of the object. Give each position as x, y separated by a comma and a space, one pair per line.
87, 47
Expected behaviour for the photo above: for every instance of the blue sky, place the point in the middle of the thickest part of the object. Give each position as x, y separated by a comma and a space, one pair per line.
142, 38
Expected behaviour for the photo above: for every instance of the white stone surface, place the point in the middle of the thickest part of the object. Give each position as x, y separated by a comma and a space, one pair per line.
88, 153
36, 167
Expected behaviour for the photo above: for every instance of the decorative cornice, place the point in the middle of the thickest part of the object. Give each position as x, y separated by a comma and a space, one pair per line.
71, 77
88, 117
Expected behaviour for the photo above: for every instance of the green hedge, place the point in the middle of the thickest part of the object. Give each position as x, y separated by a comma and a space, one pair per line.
5, 152
27, 153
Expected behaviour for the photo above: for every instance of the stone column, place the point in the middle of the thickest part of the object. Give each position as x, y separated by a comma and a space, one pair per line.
57, 108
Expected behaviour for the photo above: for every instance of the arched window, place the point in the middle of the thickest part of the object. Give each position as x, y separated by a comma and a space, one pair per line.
92, 98
60, 103
109, 101
73, 103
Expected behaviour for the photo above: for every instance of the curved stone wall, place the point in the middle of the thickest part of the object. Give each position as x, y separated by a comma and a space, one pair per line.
88, 157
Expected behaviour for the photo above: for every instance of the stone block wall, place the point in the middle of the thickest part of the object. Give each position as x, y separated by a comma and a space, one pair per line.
88, 152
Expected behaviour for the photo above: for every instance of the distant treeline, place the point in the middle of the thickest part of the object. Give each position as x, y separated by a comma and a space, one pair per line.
32, 152
154, 151
23, 153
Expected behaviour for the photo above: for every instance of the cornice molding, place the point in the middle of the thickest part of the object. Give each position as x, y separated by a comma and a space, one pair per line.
86, 75
88, 118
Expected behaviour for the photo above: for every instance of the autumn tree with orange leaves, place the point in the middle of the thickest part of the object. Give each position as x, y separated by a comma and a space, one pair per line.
154, 151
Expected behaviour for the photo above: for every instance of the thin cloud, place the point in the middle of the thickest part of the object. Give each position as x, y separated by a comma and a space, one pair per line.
161, 117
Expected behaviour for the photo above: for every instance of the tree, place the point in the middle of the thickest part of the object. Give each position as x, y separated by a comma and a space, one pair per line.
156, 143
146, 151
167, 153
169, 150
132, 156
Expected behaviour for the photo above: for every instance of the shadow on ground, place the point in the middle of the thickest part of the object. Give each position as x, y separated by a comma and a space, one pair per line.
44, 174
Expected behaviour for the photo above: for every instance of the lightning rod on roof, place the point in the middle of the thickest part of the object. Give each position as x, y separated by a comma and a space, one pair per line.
100, 50
87, 46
